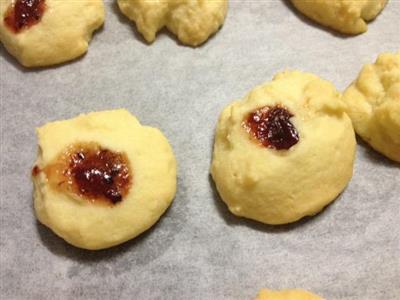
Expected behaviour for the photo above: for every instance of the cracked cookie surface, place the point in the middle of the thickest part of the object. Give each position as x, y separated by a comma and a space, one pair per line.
373, 104
103, 178
60, 30
346, 16
192, 21
285, 151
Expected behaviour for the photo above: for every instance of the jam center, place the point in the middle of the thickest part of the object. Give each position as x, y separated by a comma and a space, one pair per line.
271, 126
92, 172
24, 13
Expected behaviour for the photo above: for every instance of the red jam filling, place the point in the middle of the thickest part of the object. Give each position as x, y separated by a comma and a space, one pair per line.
24, 14
92, 172
35, 170
271, 126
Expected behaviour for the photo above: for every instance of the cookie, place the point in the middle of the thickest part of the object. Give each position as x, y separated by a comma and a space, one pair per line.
345, 16
373, 104
192, 21
101, 179
48, 32
285, 151
294, 294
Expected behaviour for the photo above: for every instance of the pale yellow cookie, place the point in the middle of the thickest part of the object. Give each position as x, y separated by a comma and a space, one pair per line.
101, 179
51, 32
285, 151
294, 294
346, 16
192, 21
373, 102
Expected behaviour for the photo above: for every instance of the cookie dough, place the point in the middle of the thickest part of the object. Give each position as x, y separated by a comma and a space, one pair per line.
192, 21
285, 151
346, 16
373, 104
101, 179
295, 294
47, 32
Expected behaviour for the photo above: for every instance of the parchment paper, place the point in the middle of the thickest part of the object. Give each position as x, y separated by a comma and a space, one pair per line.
198, 250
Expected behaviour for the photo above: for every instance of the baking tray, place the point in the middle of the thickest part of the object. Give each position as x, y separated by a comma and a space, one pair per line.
198, 250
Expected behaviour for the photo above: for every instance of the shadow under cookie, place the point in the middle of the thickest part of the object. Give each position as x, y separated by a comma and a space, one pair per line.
142, 250
232, 220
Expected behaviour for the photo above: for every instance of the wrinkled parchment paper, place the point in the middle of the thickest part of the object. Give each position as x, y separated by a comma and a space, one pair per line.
198, 250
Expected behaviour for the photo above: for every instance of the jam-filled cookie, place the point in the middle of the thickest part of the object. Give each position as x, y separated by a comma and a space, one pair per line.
294, 294
47, 32
285, 151
373, 102
192, 21
346, 16
101, 179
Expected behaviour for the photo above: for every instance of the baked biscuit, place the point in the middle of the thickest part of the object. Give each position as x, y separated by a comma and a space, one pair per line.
373, 104
101, 179
47, 32
285, 151
295, 294
192, 21
346, 16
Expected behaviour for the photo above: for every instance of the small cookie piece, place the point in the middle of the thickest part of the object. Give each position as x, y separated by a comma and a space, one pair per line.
373, 104
346, 16
294, 294
285, 151
47, 32
101, 179
192, 21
